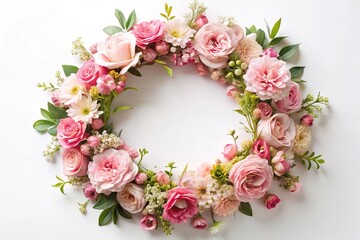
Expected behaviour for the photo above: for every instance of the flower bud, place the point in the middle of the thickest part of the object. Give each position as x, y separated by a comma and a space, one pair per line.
295, 188
271, 201
199, 223
307, 120
162, 48
93, 141
149, 55
90, 192
97, 123
230, 151
140, 178
148, 222
201, 20
271, 53
85, 149
162, 178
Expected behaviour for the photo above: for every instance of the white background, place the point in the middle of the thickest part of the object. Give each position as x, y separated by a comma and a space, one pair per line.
184, 119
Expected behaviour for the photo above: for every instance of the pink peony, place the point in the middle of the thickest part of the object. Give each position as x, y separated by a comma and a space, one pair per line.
201, 20
261, 148
199, 223
215, 42
268, 77
265, 109
111, 170
226, 206
117, 51
290, 103
105, 84
148, 222
148, 32
271, 201
131, 198
162, 178
307, 120
90, 192
278, 130
280, 165
251, 178
75, 164
90, 72
181, 204
230, 151
271, 53
70, 133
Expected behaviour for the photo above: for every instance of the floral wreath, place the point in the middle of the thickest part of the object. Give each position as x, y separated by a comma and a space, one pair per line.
111, 173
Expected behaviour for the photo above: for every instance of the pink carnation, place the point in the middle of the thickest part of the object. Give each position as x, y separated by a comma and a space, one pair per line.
291, 102
226, 206
148, 32
70, 133
268, 77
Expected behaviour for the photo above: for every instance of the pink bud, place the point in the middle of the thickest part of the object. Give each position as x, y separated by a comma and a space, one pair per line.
257, 113
231, 91
85, 149
120, 86
201, 20
271, 53
90, 192
93, 48
307, 120
265, 109
131, 151
162, 48
55, 98
93, 141
230, 151
261, 148
97, 123
140, 178
199, 223
149, 55
280, 165
105, 84
148, 222
271, 201
162, 178
295, 188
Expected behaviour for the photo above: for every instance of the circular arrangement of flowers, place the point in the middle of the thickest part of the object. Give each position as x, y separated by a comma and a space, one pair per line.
248, 61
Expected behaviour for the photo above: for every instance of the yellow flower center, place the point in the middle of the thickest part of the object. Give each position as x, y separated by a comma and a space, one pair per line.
175, 34
75, 90
85, 111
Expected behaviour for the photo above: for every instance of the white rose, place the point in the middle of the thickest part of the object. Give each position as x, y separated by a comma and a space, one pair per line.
131, 198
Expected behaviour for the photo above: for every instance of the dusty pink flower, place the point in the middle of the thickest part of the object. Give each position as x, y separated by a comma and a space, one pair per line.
271, 53
230, 151
248, 48
75, 164
226, 206
265, 109
215, 41
199, 223
307, 120
97, 123
231, 91
131, 198
181, 204
261, 148
93, 48
140, 178
85, 149
90, 192
268, 77
280, 165
149, 55
201, 20
271, 201
70, 133
295, 188
148, 222
290, 103
201, 69
111, 170
90, 72
93, 141
251, 178
105, 84
55, 98
120, 86
278, 130
117, 51
148, 32
162, 178
162, 48
204, 169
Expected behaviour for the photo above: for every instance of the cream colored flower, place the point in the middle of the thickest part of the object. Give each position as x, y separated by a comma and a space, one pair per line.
248, 49
178, 33
302, 139
84, 110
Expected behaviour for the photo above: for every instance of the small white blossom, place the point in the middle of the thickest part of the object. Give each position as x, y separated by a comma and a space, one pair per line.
178, 33
71, 90
84, 110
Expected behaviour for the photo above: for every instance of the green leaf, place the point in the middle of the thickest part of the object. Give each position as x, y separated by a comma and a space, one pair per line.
62, 189
298, 80
109, 127
111, 30
240, 111
267, 27
134, 72
43, 125
104, 202
106, 216
56, 112
45, 114
53, 130
245, 208
123, 212
163, 15
296, 72
260, 36
57, 185
120, 16
58, 178
69, 69
276, 40
275, 29
168, 70
253, 29
131, 20
288, 51
115, 217
247, 31
121, 108
130, 88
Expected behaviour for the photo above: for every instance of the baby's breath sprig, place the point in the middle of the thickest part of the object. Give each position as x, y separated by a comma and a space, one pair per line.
311, 105
51, 149
82, 206
79, 49
196, 9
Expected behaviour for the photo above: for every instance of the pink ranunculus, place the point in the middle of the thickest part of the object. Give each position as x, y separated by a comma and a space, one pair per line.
70, 133
278, 130
162, 178
290, 103
75, 164
199, 223
131, 198
268, 77
251, 178
280, 165
149, 55
111, 170
181, 204
230, 151
261, 148
105, 84
148, 222
307, 120
265, 109
215, 42
201, 20
148, 32
90, 72
117, 51
271, 53
90, 192
271, 201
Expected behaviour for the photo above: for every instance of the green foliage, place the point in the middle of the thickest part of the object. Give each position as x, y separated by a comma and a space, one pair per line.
111, 30
296, 72
167, 68
52, 116
275, 29
196, 9
310, 158
46, 87
104, 202
122, 212
276, 40
121, 108
312, 105
261, 38
125, 24
166, 226
247, 104
170, 166
43, 125
167, 14
245, 208
69, 69
134, 72
288, 51
56, 112
61, 184
219, 173
142, 152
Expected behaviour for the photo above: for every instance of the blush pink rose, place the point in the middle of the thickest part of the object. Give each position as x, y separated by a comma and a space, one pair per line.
111, 170
117, 51
271, 201
148, 222
215, 42
261, 148
290, 103
181, 204
278, 130
230, 151
148, 32
90, 72
268, 77
75, 164
131, 198
70, 133
251, 178
265, 109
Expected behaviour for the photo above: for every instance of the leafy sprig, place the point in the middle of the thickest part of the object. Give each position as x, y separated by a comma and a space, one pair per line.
125, 23
310, 158
170, 166
142, 152
46, 86
196, 9
167, 14
61, 184
312, 105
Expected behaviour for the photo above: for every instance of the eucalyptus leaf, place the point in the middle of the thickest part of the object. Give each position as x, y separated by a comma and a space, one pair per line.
43, 125
115, 217
69, 69
104, 202
111, 30
121, 108
45, 114
298, 80
121, 18
131, 20
123, 212
275, 29
134, 72
260, 36
296, 72
56, 112
288, 51
245, 208
106, 216
53, 130
276, 40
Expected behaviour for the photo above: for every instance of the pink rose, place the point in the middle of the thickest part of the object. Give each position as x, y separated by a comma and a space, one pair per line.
75, 164
90, 72
268, 77
105, 84
162, 178
148, 32
261, 148
290, 103
90, 192
226, 206
131, 198
181, 204
271, 201
307, 120
199, 223
251, 178
280, 165
230, 151
111, 170
215, 42
278, 130
271, 53
117, 51
70, 133
201, 20
265, 109
148, 222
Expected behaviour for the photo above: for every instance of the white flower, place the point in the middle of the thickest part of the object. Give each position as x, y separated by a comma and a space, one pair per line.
178, 33
302, 139
216, 227
71, 90
84, 110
